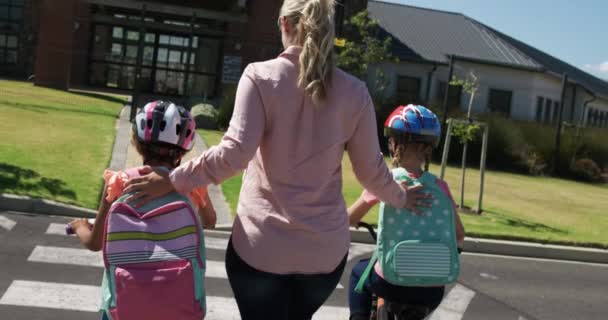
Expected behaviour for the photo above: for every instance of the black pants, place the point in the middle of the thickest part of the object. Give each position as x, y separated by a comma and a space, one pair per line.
268, 296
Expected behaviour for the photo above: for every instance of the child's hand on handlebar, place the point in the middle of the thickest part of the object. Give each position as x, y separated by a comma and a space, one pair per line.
80, 223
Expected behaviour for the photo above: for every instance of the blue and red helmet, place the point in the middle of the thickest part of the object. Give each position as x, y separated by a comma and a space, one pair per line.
413, 123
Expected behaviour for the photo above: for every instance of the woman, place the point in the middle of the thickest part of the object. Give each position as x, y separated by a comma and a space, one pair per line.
293, 118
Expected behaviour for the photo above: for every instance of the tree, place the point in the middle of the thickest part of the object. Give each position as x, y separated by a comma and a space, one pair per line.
364, 48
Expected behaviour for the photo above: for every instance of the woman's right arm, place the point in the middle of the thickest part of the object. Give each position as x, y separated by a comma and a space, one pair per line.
238, 146
218, 163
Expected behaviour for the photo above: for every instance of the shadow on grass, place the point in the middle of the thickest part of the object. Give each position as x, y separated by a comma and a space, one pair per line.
46, 109
28, 181
523, 224
99, 96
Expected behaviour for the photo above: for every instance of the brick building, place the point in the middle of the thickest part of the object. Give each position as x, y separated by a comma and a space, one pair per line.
179, 48
193, 46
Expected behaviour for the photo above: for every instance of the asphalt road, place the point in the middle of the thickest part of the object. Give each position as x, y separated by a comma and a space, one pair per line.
47, 275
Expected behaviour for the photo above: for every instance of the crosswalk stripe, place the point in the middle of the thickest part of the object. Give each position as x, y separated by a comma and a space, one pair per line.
56, 228
455, 304
216, 243
7, 223
86, 298
84, 257
59, 255
52, 295
222, 308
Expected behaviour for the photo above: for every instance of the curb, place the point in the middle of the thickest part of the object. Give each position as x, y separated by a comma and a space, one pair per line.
515, 248
500, 247
10, 202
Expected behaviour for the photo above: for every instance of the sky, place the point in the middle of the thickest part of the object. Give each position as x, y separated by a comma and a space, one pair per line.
575, 31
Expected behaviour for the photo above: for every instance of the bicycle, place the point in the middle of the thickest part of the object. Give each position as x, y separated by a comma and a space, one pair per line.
382, 309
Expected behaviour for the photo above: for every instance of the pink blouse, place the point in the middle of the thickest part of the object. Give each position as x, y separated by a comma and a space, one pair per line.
291, 213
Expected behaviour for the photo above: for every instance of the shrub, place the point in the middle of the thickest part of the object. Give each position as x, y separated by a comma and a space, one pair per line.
528, 147
205, 116
587, 170
226, 107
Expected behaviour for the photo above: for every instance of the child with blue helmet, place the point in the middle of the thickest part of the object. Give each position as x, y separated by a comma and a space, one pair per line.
412, 131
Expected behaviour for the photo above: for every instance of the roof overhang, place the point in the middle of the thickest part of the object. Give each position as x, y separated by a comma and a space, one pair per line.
496, 64
173, 10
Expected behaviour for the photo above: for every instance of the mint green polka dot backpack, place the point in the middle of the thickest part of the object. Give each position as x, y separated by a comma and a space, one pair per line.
417, 250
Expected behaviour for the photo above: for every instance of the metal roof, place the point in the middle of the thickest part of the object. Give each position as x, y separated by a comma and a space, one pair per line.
432, 35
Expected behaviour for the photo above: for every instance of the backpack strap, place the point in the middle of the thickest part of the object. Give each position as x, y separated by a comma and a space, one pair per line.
365, 275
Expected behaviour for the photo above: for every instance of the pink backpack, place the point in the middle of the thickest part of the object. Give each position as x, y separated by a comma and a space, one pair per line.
154, 259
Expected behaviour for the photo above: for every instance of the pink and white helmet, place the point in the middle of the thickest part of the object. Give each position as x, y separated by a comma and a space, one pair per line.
163, 122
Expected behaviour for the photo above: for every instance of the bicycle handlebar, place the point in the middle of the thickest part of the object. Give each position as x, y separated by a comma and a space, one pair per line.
369, 228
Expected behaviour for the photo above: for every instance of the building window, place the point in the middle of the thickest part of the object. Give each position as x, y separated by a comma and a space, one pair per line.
539, 109
165, 58
11, 16
408, 90
500, 101
454, 95
548, 105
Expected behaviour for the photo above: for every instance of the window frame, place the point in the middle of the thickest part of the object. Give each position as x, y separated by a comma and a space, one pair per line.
10, 33
489, 103
177, 69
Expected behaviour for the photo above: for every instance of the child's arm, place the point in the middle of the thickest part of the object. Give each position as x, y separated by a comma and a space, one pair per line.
92, 239
360, 208
207, 213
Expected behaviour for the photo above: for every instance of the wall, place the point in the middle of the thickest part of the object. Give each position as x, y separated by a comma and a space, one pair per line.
55, 44
526, 86
80, 49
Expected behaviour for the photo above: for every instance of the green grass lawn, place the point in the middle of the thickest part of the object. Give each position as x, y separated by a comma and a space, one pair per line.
515, 206
55, 144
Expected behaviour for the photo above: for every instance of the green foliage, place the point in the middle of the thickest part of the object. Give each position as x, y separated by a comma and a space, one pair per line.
205, 116
587, 170
465, 132
226, 107
529, 148
363, 49
468, 85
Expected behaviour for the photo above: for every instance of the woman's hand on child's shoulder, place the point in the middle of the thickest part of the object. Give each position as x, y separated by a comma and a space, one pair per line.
416, 199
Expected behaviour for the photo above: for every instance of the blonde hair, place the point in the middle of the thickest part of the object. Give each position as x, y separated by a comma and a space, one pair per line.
314, 21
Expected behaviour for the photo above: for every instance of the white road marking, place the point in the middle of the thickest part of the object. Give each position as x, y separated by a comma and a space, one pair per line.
86, 298
535, 259
216, 269
454, 304
56, 228
7, 223
52, 295
488, 276
222, 308
216, 243
331, 313
59, 255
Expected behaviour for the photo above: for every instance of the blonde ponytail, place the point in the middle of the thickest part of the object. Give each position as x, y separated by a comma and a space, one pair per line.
315, 33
